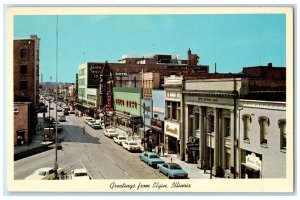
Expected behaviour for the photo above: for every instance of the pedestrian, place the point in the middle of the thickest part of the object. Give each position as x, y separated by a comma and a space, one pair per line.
204, 166
83, 129
143, 140
158, 150
163, 150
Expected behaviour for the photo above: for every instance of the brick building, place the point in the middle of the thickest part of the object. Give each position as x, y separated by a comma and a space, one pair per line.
26, 75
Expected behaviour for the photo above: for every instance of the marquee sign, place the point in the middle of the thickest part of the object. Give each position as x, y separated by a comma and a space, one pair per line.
172, 129
94, 71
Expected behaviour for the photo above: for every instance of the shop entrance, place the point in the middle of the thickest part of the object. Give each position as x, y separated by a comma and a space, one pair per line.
172, 145
20, 137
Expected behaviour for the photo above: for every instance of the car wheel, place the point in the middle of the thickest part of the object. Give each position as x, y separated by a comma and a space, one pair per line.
168, 175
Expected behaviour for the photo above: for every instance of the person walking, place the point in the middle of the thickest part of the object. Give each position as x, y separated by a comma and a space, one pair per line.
83, 129
204, 166
163, 150
158, 150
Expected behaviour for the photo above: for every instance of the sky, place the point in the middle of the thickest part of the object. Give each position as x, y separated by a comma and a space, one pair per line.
232, 41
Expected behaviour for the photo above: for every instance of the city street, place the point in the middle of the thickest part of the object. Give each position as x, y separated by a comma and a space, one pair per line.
98, 154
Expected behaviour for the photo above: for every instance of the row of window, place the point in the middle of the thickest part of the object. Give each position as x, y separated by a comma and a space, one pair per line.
264, 123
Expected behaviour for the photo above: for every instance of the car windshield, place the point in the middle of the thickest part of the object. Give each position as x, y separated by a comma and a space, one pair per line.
132, 143
154, 156
122, 138
80, 174
111, 131
175, 167
42, 173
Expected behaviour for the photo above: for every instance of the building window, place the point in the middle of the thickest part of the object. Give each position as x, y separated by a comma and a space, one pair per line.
282, 125
178, 116
211, 123
168, 110
264, 122
196, 120
23, 69
226, 127
174, 111
23, 85
246, 122
24, 53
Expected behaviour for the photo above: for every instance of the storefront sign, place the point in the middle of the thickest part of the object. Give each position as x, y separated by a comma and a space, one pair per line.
253, 162
94, 70
136, 120
157, 124
210, 100
172, 129
158, 110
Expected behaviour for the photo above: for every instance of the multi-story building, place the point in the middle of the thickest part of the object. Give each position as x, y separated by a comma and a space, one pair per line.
216, 107
26, 76
173, 115
22, 129
262, 138
128, 73
26, 70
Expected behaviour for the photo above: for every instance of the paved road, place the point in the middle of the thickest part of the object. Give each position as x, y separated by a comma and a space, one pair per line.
98, 154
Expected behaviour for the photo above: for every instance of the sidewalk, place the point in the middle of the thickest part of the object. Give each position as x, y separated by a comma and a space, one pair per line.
193, 171
35, 146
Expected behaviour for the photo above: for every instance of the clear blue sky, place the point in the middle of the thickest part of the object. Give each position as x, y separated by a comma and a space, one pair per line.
232, 41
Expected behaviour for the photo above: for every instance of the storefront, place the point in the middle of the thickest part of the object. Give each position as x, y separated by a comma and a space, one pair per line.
251, 168
172, 137
127, 106
158, 116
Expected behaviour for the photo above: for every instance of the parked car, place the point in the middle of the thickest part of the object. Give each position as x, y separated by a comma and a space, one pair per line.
45, 173
90, 123
131, 146
151, 158
59, 110
96, 124
72, 111
172, 170
110, 133
120, 139
59, 126
80, 174
67, 108
62, 118
66, 112
87, 119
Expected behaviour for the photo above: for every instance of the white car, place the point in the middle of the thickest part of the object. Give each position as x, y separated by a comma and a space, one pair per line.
131, 145
91, 122
80, 174
87, 119
110, 133
120, 139
97, 124
45, 173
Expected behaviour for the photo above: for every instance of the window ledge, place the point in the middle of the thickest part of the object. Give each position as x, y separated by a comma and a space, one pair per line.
283, 150
247, 141
264, 145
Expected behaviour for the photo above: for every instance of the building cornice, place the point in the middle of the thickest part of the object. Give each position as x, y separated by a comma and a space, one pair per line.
274, 105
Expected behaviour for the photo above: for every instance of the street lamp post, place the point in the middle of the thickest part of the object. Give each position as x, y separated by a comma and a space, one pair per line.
144, 126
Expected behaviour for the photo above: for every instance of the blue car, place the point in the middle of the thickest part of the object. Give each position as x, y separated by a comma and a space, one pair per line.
151, 158
172, 170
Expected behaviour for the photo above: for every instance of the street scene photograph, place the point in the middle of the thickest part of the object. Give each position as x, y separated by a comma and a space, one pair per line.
151, 100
